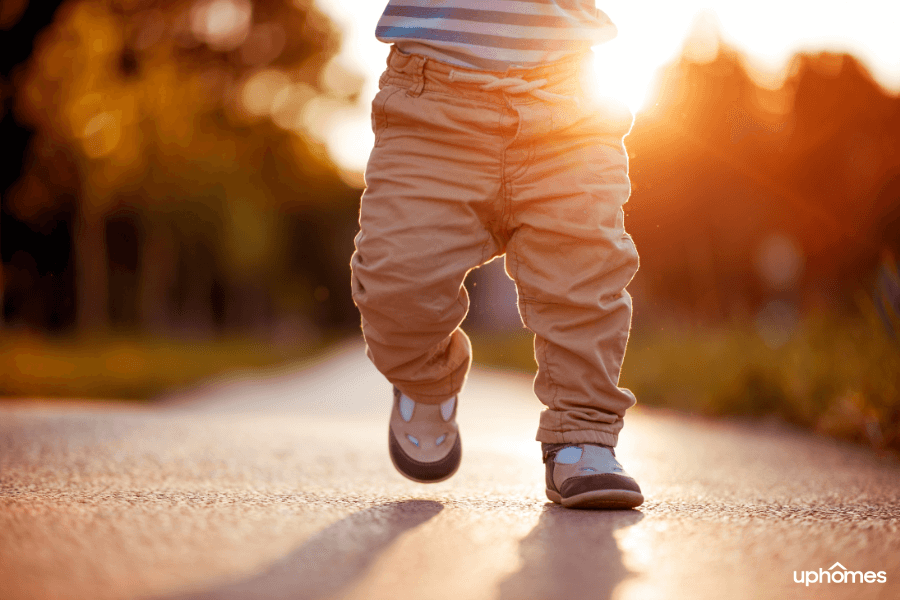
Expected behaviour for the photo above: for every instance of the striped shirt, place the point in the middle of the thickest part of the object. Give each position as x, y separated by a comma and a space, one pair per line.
494, 34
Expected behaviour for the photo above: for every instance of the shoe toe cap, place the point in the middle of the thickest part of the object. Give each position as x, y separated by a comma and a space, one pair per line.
425, 472
574, 486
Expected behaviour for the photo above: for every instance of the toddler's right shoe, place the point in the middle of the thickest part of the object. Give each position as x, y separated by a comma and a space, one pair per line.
423, 439
588, 476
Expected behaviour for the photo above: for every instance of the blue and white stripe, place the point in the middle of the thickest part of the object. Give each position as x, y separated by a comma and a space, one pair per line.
494, 34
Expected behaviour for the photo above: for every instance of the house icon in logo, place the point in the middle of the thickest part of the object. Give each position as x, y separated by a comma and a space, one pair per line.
837, 564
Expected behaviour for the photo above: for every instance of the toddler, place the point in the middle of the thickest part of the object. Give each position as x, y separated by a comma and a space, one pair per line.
486, 145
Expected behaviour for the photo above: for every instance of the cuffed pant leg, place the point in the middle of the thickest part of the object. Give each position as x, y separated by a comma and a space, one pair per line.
571, 260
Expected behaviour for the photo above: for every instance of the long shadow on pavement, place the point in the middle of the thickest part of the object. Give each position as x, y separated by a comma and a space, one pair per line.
331, 560
570, 554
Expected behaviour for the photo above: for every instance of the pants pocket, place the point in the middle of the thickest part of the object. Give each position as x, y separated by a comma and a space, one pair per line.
379, 114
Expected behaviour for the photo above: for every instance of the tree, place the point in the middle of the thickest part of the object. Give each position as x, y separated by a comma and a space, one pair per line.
174, 108
723, 163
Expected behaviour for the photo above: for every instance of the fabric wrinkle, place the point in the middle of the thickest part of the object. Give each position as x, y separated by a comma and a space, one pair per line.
508, 173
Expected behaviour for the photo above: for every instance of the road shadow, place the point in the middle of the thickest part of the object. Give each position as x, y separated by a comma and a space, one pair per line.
331, 560
570, 554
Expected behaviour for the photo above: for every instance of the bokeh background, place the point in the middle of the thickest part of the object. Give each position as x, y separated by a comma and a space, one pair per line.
180, 184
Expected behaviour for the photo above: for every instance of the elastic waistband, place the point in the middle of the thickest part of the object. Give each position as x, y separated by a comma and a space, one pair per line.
420, 74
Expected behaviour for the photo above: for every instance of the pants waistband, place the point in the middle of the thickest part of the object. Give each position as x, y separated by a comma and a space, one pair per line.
420, 73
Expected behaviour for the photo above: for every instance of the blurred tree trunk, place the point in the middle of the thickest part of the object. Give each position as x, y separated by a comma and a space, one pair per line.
91, 268
156, 275
2, 280
196, 318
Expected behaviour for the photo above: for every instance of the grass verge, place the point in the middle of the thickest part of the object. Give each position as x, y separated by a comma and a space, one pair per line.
839, 377
129, 368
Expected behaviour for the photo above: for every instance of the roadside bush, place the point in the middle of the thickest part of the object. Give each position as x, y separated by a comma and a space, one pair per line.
837, 376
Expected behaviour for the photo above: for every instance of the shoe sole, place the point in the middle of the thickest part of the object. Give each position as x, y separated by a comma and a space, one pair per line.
416, 479
411, 478
599, 499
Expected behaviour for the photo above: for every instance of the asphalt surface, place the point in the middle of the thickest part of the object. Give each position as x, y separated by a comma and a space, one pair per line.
281, 487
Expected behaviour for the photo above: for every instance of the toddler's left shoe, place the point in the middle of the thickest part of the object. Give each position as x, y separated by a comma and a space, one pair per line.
588, 476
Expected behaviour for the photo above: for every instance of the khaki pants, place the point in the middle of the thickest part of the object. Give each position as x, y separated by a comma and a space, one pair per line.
458, 176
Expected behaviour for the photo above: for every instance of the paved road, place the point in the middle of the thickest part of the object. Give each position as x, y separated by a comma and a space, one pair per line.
282, 488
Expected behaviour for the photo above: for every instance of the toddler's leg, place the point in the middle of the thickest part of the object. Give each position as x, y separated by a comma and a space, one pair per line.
421, 231
571, 259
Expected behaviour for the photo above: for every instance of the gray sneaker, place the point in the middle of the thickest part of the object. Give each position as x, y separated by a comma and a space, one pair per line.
423, 439
588, 476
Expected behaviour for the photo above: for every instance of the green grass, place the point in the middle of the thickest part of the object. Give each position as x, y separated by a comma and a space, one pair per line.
129, 368
839, 377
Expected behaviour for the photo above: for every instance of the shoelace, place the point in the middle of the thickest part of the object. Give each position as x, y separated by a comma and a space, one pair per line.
510, 85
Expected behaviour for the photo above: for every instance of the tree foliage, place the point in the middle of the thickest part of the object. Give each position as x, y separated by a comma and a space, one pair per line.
201, 119
735, 178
